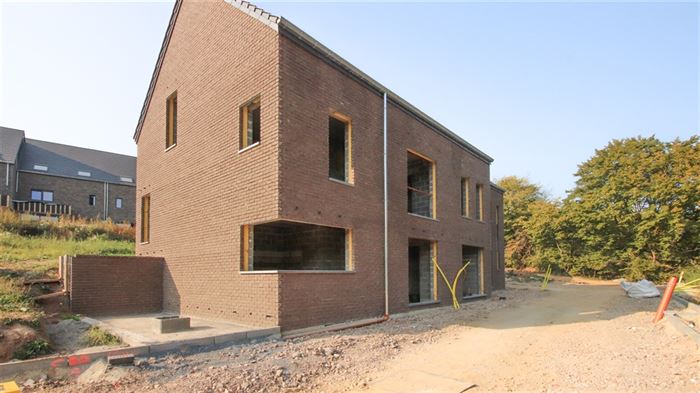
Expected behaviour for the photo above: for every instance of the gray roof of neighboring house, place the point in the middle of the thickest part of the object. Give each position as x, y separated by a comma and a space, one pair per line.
10, 142
291, 31
64, 160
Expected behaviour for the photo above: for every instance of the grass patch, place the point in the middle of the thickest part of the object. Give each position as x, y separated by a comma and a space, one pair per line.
96, 336
14, 247
33, 349
65, 228
16, 305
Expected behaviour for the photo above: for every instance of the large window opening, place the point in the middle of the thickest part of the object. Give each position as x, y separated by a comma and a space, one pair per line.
472, 280
284, 245
339, 157
421, 197
42, 195
421, 283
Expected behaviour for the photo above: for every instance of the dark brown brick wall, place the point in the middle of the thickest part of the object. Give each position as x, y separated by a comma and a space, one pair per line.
203, 189
76, 192
116, 285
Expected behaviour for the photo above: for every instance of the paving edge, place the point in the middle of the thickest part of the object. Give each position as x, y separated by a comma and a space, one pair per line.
75, 364
677, 323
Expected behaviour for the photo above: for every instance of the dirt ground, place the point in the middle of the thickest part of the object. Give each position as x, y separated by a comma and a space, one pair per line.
576, 336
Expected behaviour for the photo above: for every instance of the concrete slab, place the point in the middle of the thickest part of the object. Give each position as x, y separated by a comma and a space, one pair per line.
138, 330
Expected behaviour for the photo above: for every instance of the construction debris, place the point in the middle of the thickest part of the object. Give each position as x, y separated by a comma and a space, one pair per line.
640, 289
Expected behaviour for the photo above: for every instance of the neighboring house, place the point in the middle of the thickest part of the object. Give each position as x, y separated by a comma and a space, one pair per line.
261, 181
47, 178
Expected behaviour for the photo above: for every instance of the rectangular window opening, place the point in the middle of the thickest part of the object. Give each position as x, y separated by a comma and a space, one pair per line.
84, 173
92, 200
339, 148
250, 123
145, 218
466, 211
42, 168
171, 121
479, 202
118, 203
126, 179
42, 195
283, 245
421, 271
472, 278
421, 196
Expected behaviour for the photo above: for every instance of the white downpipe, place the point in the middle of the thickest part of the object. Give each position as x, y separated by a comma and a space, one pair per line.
386, 218
7, 174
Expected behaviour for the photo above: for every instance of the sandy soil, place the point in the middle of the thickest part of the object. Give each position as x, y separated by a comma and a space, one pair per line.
573, 337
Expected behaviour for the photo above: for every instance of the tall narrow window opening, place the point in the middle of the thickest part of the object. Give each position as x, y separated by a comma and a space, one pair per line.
339, 148
171, 121
145, 218
250, 123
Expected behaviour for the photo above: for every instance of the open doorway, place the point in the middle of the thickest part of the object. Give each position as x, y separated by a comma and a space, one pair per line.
420, 271
472, 280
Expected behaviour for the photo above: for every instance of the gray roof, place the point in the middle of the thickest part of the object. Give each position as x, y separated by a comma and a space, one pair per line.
285, 27
68, 161
10, 142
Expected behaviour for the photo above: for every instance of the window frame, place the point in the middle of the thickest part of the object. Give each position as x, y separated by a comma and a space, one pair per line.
433, 185
349, 170
480, 202
118, 203
465, 185
171, 121
243, 114
42, 194
145, 219
90, 200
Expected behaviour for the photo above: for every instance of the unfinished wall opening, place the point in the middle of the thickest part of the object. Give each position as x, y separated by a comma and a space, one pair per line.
284, 245
472, 280
479, 211
420, 180
250, 123
171, 121
420, 271
339, 148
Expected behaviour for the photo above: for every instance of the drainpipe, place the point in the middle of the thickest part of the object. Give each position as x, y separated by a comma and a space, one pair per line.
386, 219
7, 174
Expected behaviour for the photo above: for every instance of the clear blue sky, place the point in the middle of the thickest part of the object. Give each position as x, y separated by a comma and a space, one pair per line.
538, 86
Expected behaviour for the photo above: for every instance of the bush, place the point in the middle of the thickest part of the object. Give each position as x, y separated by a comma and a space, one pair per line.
33, 349
96, 336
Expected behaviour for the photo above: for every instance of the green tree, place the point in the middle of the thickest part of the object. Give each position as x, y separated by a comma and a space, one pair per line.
635, 208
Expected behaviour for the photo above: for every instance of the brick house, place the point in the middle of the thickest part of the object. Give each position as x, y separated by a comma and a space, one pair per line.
46, 178
270, 169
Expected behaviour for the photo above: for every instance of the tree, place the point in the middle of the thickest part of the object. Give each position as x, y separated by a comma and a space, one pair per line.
635, 208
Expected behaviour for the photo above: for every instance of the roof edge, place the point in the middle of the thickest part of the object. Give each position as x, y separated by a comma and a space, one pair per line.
296, 32
156, 70
498, 188
126, 184
80, 147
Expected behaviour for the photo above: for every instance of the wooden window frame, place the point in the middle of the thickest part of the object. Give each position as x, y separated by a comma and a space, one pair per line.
244, 112
433, 183
171, 121
146, 219
349, 169
466, 197
480, 199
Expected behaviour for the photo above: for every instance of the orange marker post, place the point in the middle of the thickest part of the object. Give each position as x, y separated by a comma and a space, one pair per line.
668, 293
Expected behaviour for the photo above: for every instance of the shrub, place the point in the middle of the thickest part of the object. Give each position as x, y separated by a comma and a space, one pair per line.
96, 336
33, 349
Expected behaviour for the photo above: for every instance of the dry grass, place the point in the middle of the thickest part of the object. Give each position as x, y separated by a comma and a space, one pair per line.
96, 336
65, 228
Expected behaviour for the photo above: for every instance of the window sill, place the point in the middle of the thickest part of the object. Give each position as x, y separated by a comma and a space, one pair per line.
248, 147
142, 243
253, 272
426, 303
167, 149
341, 182
423, 217
468, 218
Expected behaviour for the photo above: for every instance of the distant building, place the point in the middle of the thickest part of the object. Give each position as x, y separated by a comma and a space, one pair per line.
46, 178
